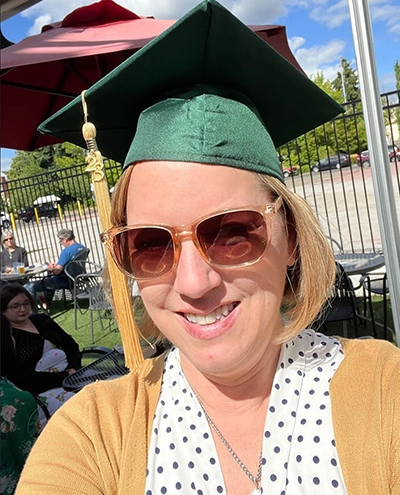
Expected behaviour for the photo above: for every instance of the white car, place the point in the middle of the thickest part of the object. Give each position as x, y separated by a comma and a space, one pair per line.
5, 221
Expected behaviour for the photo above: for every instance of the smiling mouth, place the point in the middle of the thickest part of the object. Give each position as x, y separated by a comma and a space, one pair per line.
210, 318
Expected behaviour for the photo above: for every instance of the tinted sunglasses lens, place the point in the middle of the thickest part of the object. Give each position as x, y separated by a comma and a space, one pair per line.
233, 238
145, 252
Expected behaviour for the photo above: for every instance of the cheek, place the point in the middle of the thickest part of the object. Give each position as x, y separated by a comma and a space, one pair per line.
154, 296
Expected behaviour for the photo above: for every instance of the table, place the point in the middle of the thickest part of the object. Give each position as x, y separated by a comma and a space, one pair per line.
30, 271
360, 263
109, 366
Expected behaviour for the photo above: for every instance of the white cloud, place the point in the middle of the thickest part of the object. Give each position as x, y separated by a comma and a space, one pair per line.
331, 16
249, 11
40, 21
389, 14
318, 58
296, 42
5, 164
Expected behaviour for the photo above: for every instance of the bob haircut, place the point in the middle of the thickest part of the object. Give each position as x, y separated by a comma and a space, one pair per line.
9, 291
6, 234
309, 280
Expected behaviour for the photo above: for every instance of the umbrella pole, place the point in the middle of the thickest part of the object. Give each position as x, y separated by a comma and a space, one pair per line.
119, 286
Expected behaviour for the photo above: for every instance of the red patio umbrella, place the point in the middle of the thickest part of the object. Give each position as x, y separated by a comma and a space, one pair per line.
42, 73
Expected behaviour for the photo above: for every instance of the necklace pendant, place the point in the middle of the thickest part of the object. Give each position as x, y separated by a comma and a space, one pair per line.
257, 491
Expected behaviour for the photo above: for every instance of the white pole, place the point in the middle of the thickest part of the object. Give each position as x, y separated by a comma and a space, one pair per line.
378, 152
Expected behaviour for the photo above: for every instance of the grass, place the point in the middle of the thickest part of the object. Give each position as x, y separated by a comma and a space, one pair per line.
65, 318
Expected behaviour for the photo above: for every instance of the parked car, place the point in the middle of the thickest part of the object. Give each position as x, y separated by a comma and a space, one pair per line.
332, 161
46, 210
5, 221
364, 161
288, 171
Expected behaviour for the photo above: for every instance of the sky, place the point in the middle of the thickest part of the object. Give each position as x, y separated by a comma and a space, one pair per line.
319, 31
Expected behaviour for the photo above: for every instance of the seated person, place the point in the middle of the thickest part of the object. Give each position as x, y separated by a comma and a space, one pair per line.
20, 422
11, 253
44, 354
59, 279
19, 428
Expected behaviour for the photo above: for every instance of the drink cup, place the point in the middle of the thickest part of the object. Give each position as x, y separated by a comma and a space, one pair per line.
19, 267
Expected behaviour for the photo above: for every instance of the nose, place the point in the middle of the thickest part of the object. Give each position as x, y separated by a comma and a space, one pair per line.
194, 277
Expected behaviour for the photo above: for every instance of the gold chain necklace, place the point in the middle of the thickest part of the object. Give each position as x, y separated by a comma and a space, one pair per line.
255, 479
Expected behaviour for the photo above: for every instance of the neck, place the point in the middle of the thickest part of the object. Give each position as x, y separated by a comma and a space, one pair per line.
251, 391
26, 323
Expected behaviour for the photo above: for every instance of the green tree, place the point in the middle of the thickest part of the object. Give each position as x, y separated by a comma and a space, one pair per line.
346, 133
24, 164
38, 173
347, 82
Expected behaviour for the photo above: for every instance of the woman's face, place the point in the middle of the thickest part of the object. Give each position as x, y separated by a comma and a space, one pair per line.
246, 300
18, 309
9, 241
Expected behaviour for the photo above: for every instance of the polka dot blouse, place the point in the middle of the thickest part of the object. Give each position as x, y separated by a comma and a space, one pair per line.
299, 454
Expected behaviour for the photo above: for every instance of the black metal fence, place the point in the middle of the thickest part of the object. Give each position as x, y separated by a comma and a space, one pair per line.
343, 198
41, 205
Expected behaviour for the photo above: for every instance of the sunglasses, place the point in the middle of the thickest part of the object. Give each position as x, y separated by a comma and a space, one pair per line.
227, 239
9, 239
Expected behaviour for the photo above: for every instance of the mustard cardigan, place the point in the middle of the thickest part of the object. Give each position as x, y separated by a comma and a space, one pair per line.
97, 443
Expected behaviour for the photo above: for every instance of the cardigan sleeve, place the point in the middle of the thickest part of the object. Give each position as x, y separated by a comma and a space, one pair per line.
365, 398
97, 442
65, 458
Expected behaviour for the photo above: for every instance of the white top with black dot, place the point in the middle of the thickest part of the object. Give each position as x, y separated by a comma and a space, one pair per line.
299, 451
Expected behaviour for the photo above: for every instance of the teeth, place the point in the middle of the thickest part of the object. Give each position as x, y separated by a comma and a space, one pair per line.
210, 317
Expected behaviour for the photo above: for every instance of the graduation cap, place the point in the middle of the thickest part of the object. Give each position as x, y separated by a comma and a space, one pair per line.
208, 90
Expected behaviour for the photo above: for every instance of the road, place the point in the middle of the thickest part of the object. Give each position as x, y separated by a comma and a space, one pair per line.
345, 204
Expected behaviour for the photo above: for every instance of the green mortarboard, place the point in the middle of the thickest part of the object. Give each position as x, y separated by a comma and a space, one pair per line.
206, 90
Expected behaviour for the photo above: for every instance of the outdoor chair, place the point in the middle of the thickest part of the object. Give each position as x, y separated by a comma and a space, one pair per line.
99, 303
335, 245
79, 273
344, 305
81, 255
376, 283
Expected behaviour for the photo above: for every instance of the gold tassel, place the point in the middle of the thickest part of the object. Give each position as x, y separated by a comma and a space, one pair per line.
123, 311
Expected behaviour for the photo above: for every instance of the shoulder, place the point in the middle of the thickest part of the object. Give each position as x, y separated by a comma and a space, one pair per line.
368, 365
43, 322
374, 352
40, 318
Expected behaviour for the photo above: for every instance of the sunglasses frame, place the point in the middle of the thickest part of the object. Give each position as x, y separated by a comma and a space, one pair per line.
190, 231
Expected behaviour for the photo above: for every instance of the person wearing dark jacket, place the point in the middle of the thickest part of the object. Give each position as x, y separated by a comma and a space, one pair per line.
44, 354
11, 253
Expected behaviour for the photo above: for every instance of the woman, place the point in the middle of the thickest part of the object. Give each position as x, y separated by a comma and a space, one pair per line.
11, 253
232, 267
43, 353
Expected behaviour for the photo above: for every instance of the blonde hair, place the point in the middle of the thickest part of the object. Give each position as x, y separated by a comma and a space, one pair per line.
309, 280
5, 234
